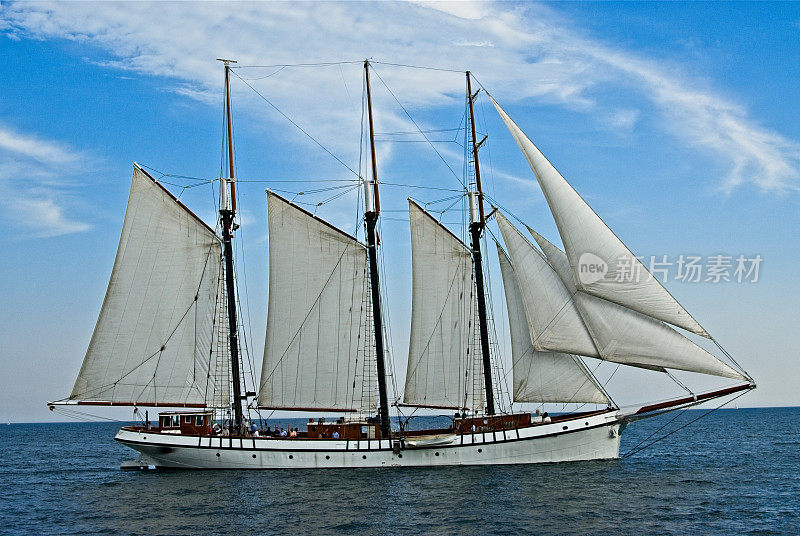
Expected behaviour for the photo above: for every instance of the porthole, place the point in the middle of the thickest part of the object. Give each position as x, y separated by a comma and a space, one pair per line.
364, 457
327, 457
586, 423
254, 455
399, 455
480, 450
563, 427
217, 454
437, 454
291, 457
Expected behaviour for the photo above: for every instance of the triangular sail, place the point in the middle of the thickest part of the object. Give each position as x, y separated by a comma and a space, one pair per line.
629, 337
152, 342
554, 321
589, 244
542, 376
314, 346
440, 364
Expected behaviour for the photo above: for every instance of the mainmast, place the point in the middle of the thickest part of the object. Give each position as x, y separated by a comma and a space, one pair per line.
477, 223
227, 212
372, 210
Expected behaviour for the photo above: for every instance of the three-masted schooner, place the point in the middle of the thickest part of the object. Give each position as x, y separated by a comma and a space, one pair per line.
168, 335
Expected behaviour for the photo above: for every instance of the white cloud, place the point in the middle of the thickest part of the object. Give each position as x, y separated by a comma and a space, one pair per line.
45, 218
34, 188
624, 119
519, 52
29, 146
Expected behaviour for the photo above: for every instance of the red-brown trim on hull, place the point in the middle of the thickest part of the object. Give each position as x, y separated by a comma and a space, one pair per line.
691, 399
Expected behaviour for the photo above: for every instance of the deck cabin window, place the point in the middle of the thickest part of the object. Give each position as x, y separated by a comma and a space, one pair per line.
187, 419
176, 420
199, 419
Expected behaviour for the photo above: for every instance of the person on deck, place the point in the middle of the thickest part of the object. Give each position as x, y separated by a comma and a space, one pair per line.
335, 434
283, 432
546, 418
293, 433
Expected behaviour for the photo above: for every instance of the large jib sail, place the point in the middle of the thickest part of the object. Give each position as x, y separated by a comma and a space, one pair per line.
152, 344
625, 317
587, 240
626, 336
318, 294
542, 376
558, 311
440, 364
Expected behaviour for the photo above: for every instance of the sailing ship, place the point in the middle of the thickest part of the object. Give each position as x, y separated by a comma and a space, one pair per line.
168, 334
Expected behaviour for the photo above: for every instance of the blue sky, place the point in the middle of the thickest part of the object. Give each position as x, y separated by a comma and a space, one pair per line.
677, 122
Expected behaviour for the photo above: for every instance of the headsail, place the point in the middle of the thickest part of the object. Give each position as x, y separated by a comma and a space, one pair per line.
440, 365
626, 336
587, 240
542, 376
554, 320
315, 347
152, 341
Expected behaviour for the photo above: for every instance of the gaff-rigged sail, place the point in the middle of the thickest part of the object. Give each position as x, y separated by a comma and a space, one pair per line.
440, 364
541, 376
315, 343
587, 240
152, 342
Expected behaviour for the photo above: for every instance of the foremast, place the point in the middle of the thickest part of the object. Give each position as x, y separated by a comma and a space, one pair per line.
476, 226
372, 211
227, 213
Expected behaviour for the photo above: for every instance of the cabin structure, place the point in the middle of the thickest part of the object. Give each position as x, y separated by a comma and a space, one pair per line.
354, 430
186, 422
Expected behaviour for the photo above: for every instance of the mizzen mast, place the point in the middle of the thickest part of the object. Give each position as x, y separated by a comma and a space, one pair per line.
372, 210
227, 213
476, 226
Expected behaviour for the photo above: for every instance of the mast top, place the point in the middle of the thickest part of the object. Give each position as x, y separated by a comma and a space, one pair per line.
373, 201
481, 218
227, 62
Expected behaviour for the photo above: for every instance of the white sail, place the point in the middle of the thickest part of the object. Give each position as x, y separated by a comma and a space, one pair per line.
315, 347
591, 246
440, 364
542, 376
626, 336
554, 321
152, 341
557, 259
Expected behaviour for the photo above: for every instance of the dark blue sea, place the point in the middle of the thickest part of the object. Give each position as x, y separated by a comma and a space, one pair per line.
731, 472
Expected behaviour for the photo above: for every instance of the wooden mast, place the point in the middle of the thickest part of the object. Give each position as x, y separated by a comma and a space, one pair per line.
227, 212
373, 207
476, 230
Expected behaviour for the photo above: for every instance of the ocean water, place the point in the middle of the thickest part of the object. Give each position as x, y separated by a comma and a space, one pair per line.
732, 472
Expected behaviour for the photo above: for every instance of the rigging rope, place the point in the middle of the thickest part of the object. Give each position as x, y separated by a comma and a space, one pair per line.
301, 129
418, 128
638, 448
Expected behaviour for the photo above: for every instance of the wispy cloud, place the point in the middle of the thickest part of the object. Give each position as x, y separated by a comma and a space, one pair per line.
44, 151
34, 190
520, 52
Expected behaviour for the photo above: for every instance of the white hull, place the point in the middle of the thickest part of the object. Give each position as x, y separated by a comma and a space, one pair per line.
592, 438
